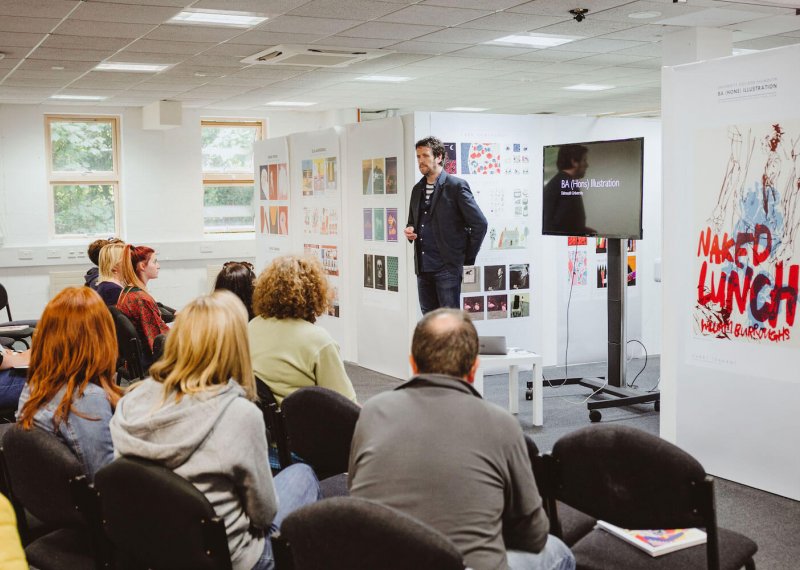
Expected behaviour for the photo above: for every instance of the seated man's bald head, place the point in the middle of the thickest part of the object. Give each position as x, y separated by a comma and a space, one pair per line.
445, 342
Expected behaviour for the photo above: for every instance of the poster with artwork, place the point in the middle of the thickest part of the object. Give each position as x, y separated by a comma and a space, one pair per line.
450, 164
480, 158
380, 272
576, 268
318, 176
263, 181
631, 246
392, 269
308, 178
600, 245
264, 218
572, 241
273, 182
329, 254
519, 276
369, 279
366, 176
474, 305
273, 220
471, 279
378, 176
378, 224
311, 250
333, 304
283, 220
602, 275
391, 175
331, 174
495, 278
520, 305
283, 181
367, 223
391, 224
631, 270
508, 236
497, 306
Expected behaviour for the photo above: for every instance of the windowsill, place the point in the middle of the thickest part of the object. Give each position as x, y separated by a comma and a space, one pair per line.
239, 236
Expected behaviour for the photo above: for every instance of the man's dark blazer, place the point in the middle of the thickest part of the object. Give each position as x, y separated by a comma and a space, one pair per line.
458, 223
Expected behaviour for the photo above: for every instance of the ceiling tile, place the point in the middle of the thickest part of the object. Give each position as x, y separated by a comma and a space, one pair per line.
258, 6
46, 66
71, 54
478, 4
231, 49
461, 35
14, 39
768, 42
587, 28
144, 57
174, 3
388, 30
264, 39
37, 8
431, 48
127, 13
77, 42
355, 43
512, 22
493, 52
360, 9
307, 25
27, 25
160, 46
768, 26
645, 33
87, 29
712, 18
434, 15
561, 8
600, 45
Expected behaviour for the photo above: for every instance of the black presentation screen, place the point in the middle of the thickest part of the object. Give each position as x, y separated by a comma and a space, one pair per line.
593, 189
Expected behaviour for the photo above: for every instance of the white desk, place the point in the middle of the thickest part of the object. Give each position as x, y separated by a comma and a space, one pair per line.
513, 361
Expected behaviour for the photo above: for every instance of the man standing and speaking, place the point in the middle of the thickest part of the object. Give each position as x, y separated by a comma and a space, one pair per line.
446, 226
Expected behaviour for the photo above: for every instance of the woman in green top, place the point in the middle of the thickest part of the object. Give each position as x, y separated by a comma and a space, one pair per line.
288, 350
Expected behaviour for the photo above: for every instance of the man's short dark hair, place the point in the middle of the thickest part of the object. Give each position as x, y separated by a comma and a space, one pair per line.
436, 146
568, 153
445, 342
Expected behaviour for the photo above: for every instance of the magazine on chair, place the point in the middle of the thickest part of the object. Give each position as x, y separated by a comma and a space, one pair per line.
657, 541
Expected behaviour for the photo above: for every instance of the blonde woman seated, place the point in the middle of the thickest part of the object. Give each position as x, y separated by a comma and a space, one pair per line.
288, 350
109, 282
195, 415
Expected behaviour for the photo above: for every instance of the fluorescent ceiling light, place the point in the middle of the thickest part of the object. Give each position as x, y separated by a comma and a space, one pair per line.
132, 67
384, 78
589, 87
78, 97
535, 40
468, 109
290, 104
220, 18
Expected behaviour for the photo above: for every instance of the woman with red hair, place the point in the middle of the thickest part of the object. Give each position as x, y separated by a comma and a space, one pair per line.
71, 391
135, 302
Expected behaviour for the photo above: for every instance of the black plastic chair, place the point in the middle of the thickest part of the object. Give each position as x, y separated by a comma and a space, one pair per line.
158, 346
129, 362
320, 424
570, 525
156, 519
636, 480
22, 335
356, 534
47, 480
274, 420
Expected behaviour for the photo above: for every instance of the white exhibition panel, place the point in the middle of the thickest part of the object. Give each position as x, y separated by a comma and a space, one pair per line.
378, 252
318, 223
731, 342
499, 158
272, 190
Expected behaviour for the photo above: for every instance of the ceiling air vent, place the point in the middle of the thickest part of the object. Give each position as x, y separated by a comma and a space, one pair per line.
313, 56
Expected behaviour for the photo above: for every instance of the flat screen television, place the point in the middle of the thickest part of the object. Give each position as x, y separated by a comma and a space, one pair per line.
593, 189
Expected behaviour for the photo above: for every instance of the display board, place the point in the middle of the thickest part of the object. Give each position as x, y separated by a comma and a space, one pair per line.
317, 221
273, 188
731, 267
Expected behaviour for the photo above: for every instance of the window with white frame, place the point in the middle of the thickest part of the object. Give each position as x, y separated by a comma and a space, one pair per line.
228, 184
83, 174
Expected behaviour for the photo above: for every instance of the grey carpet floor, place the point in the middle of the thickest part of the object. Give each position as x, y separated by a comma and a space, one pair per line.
773, 522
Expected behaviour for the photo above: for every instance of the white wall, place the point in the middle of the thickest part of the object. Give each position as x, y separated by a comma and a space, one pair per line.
161, 201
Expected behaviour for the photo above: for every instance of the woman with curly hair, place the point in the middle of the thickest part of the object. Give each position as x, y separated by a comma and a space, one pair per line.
71, 391
288, 350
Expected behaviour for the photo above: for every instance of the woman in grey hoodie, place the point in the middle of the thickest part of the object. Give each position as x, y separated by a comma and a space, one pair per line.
195, 416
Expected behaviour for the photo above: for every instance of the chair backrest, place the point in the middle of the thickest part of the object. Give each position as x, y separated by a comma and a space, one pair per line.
352, 534
158, 346
43, 474
157, 519
274, 420
320, 424
130, 347
4, 301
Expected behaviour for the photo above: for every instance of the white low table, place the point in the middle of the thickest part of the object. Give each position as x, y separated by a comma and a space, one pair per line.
513, 360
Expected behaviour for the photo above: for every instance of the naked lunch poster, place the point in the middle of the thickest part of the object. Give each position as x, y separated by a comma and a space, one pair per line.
746, 233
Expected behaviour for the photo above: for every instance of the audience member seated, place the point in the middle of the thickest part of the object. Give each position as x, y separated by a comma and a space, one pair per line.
238, 278
196, 417
147, 267
71, 391
12, 378
289, 352
137, 304
435, 450
109, 283
93, 252
12, 557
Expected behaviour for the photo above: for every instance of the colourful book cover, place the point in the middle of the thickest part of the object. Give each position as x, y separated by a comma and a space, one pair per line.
657, 541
